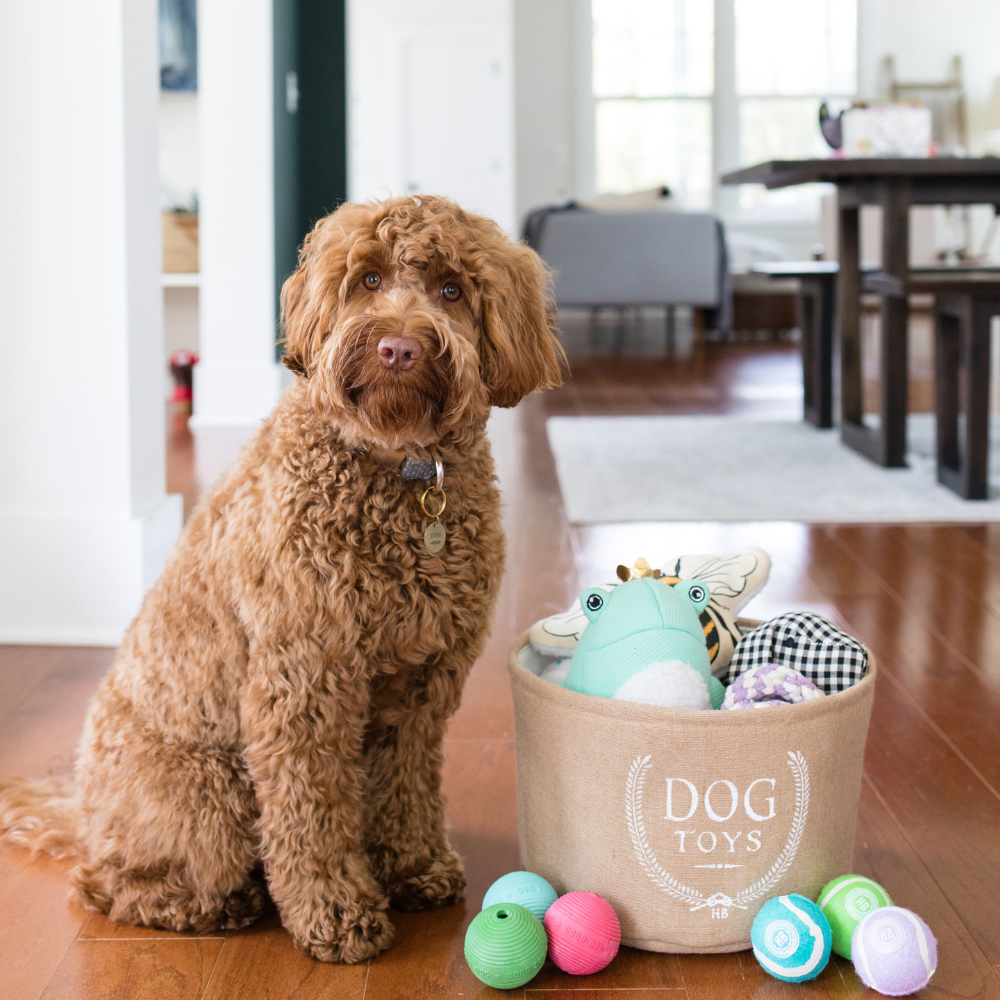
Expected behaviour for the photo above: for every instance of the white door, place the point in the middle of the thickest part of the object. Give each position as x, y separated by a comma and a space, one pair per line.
457, 121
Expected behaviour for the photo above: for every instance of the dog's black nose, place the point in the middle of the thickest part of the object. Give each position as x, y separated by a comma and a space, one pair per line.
400, 353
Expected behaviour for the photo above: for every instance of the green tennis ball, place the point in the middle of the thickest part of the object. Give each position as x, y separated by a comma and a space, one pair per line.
844, 902
505, 945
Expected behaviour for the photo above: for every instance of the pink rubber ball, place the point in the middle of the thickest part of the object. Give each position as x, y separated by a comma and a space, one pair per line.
584, 933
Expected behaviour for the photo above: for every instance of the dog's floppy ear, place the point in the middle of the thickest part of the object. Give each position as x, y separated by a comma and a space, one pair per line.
518, 350
295, 338
309, 296
304, 314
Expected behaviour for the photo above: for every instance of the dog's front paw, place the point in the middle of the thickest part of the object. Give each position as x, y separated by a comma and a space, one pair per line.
437, 884
349, 936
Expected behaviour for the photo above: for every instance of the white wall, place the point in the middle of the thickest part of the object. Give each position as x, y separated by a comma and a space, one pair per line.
178, 149
923, 35
547, 130
237, 382
554, 107
430, 90
180, 320
85, 523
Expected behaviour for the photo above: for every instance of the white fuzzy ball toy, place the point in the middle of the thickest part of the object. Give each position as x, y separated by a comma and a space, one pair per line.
671, 684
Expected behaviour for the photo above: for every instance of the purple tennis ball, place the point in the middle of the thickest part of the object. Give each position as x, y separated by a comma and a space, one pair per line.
894, 951
769, 684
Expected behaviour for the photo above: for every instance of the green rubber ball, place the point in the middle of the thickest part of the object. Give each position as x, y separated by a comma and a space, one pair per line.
505, 945
844, 902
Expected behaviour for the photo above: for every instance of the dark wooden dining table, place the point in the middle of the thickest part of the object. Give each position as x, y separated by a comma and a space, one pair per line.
895, 184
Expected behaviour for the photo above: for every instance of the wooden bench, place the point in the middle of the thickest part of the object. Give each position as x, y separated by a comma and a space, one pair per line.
964, 304
817, 297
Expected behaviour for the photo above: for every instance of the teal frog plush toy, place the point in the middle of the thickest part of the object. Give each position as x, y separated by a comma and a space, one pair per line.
645, 643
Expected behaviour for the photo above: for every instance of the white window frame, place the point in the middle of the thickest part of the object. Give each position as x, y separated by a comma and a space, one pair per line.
725, 102
725, 110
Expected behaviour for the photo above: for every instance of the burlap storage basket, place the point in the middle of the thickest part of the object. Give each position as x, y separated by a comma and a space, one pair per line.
686, 822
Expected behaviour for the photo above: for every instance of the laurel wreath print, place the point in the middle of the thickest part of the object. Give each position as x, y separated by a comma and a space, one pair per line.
697, 900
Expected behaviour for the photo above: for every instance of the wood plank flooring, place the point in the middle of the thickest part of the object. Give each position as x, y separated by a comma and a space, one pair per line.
926, 599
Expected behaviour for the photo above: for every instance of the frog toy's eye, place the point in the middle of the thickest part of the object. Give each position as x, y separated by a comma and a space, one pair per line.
697, 593
592, 602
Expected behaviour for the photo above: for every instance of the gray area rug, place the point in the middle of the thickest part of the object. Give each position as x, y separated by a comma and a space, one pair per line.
725, 468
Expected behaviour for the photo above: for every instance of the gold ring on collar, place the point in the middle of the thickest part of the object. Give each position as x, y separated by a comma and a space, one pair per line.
423, 501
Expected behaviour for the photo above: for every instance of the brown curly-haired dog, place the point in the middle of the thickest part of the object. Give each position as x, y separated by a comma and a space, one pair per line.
276, 711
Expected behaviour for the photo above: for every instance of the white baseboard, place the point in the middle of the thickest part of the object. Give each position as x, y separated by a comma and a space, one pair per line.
12, 636
79, 580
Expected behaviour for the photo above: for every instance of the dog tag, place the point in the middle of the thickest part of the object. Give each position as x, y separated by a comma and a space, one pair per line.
434, 537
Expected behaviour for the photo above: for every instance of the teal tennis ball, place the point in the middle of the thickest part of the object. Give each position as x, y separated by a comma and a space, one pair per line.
505, 945
845, 901
791, 938
526, 888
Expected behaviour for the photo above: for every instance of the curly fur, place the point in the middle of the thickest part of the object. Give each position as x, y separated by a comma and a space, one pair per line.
273, 722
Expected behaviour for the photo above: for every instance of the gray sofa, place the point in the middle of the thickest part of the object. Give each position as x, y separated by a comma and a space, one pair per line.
635, 258
630, 259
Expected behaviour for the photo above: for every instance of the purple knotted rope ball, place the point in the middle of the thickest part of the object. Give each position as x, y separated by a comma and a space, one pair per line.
769, 684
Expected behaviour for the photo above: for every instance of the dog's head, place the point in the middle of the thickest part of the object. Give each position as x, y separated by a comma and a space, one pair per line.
410, 318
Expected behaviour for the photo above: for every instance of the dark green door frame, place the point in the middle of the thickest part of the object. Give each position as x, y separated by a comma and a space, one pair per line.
310, 121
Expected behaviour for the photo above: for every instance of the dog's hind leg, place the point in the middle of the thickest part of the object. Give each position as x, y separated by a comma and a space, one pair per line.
166, 832
165, 897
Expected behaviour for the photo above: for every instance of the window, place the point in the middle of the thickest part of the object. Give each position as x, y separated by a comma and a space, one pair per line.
655, 81
790, 56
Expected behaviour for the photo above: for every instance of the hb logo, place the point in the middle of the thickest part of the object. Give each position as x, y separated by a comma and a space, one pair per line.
781, 938
860, 902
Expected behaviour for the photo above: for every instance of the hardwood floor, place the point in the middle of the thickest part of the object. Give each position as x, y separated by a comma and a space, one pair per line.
925, 599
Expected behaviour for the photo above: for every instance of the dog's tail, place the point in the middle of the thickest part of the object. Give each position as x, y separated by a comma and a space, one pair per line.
39, 814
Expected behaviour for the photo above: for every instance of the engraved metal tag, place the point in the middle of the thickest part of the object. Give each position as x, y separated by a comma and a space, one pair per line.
434, 537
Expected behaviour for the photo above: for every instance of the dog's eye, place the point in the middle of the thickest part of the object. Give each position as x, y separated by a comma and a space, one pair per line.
372, 280
451, 292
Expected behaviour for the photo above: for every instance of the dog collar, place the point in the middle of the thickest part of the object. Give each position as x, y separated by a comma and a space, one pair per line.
422, 468
410, 468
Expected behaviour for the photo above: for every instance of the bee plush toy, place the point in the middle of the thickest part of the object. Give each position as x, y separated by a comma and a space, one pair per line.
645, 642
